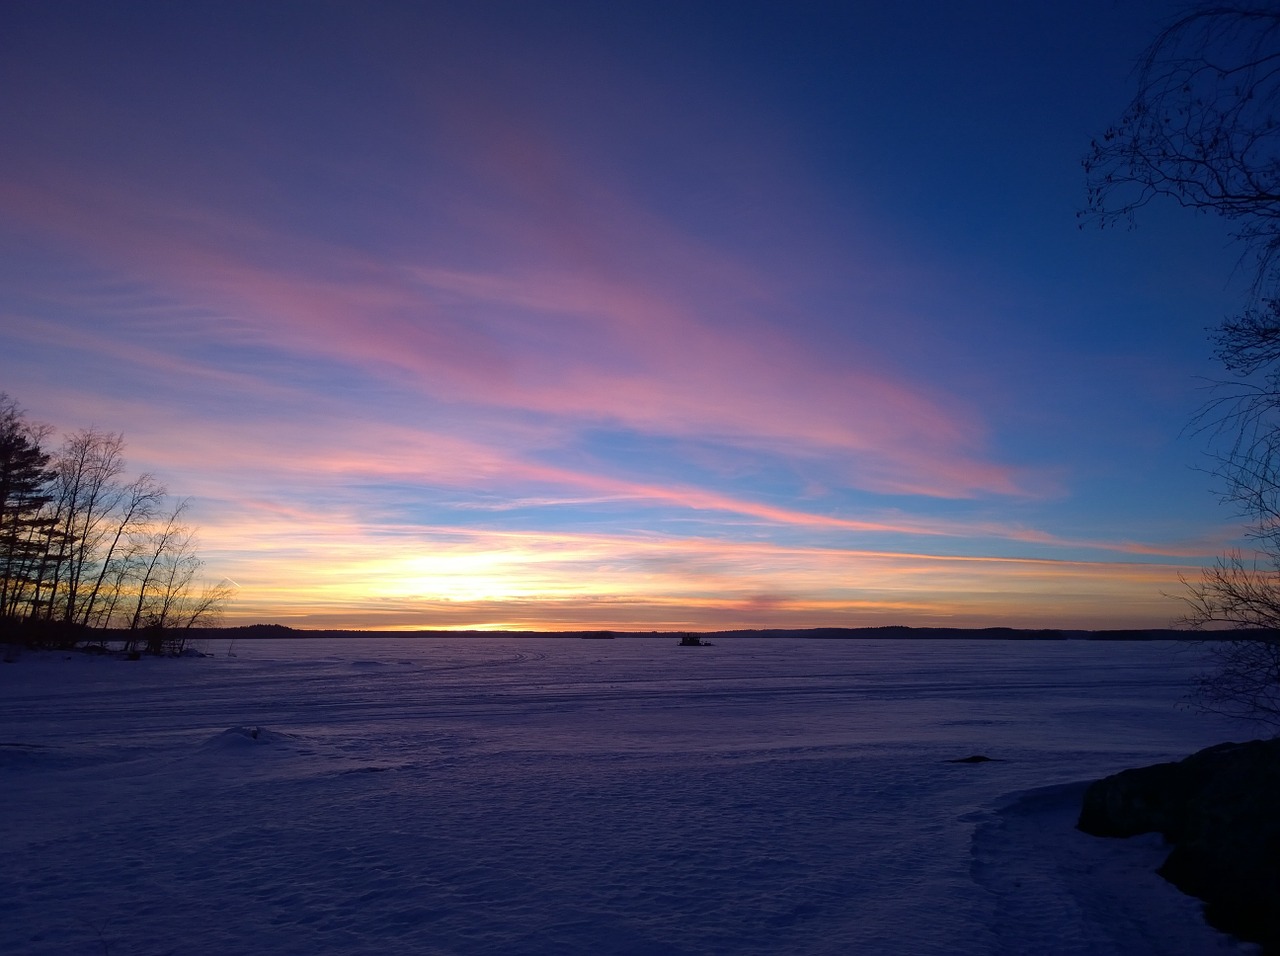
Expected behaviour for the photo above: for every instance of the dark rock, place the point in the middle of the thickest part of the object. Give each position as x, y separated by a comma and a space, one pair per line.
974, 758
1220, 809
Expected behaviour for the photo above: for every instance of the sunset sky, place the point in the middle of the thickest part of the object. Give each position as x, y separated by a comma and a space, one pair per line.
651, 315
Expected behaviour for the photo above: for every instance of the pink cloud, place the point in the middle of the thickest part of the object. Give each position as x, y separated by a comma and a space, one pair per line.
321, 455
656, 352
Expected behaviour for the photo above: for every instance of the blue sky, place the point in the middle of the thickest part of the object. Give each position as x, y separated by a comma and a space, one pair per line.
652, 315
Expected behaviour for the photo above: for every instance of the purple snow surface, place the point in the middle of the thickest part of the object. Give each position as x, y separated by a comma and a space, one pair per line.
561, 796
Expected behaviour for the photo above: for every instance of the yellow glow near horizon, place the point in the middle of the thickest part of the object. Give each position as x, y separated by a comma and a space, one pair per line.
555, 581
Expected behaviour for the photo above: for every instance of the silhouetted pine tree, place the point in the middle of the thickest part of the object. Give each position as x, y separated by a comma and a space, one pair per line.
24, 493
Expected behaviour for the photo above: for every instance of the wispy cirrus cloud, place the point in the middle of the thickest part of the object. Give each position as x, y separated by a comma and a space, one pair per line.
446, 577
558, 340
660, 353
381, 466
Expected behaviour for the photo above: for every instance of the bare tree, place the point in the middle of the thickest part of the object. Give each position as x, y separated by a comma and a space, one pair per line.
176, 572
135, 507
153, 570
1234, 593
185, 608
1243, 679
1203, 130
205, 609
88, 492
80, 549
168, 604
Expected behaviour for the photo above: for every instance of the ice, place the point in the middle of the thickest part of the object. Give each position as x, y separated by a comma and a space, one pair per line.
544, 795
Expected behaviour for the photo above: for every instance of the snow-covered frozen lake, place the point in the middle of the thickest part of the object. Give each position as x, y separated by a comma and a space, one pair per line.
563, 796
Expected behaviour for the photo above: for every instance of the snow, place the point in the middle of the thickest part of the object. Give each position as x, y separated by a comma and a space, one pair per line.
553, 795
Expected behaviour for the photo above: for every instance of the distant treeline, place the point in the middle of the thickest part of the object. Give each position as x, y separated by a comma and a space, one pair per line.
262, 631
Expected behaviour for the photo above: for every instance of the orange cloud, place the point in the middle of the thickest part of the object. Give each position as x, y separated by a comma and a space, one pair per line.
446, 578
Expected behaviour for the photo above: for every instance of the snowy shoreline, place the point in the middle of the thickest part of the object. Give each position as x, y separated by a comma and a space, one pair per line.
549, 796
